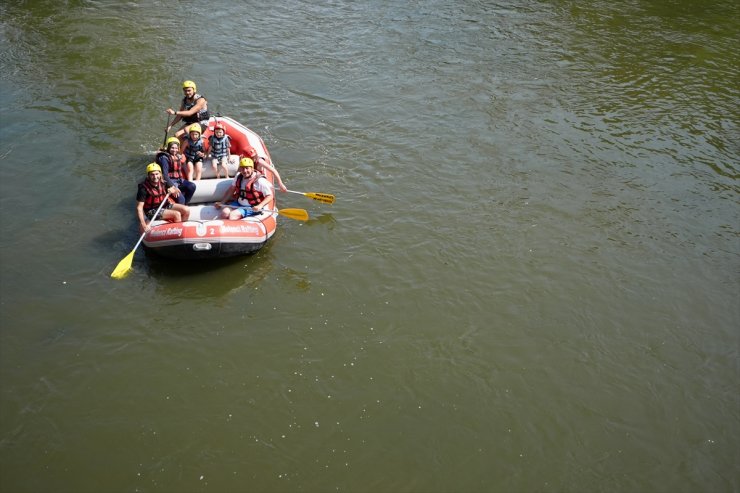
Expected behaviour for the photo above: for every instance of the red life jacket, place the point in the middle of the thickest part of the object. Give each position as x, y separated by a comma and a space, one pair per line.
175, 165
248, 192
155, 194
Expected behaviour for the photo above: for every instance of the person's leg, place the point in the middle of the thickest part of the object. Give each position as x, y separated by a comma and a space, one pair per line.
188, 189
241, 211
227, 208
182, 210
233, 210
180, 198
236, 214
171, 215
181, 132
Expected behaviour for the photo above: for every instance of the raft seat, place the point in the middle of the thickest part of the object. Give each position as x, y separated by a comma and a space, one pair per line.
203, 212
210, 190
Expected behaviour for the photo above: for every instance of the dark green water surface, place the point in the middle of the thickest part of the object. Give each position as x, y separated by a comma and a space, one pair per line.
530, 280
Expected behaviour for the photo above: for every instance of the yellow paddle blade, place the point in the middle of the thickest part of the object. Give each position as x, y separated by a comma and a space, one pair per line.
124, 266
326, 198
297, 214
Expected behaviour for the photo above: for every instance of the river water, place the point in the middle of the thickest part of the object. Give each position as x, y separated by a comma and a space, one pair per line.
529, 280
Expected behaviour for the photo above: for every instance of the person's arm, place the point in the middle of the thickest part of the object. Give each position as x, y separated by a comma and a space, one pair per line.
164, 163
187, 169
266, 189
171, 188
140, 213
178, 116
181, 113
263, 204
226, 198
274, 171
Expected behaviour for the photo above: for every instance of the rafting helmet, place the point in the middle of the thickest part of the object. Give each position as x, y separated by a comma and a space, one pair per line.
170, 141
153, 167
250, 152
219, 126
246, 163
195, 127
189, 83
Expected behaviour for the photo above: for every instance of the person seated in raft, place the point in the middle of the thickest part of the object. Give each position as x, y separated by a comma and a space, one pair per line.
193, 109
173, 169
194, 148
150, 195
220, 145
251, 190
261, 164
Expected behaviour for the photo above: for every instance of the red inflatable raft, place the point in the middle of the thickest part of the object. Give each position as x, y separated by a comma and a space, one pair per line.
204, 235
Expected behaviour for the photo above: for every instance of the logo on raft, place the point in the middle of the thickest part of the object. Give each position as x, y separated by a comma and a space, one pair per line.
166, 232
242, 228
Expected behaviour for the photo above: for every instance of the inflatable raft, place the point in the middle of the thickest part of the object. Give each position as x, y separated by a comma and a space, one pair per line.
204, 235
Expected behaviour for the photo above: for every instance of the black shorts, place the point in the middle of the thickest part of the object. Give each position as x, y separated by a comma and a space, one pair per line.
151, 212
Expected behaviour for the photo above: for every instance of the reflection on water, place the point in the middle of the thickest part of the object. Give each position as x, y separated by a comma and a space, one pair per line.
324, 219
210, 280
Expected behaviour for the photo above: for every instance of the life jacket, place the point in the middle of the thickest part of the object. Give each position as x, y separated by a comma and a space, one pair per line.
155, 194
248, 191
193, 147
219, 147
199, 116
174, 165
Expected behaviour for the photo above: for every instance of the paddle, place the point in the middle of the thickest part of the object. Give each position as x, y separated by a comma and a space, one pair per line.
326, 198
124, 266
164, 142
297, 214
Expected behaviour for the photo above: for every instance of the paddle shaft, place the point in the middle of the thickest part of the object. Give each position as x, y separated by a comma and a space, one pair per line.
124, 266
141, 238
297, 214
164, 142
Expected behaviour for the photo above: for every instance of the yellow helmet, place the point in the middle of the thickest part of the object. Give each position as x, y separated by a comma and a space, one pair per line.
172, 140
246, 163
195, 127
153, 167
189, 83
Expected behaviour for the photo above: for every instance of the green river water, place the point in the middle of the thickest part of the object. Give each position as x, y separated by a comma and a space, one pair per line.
529, 282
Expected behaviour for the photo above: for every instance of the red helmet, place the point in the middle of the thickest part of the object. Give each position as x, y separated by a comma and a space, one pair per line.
219, 126
250, 152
